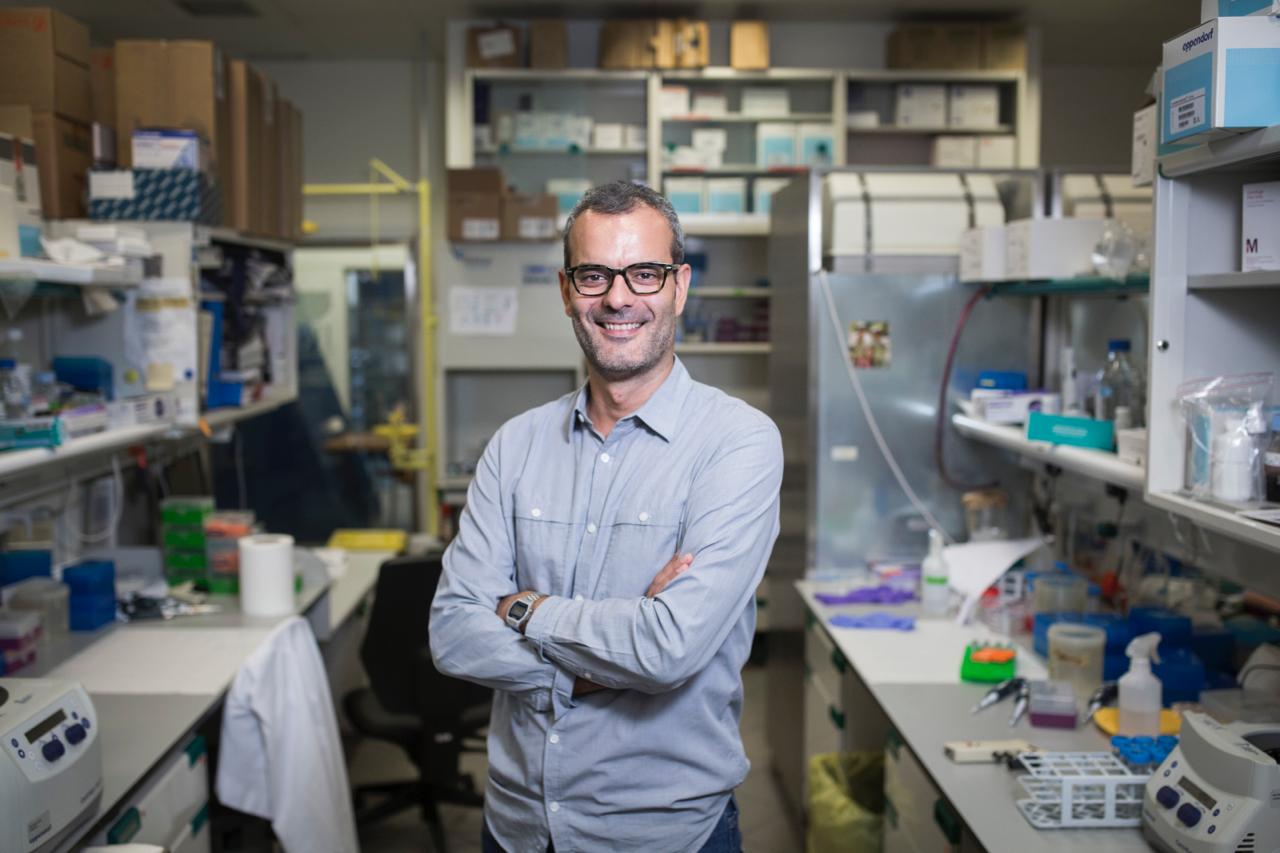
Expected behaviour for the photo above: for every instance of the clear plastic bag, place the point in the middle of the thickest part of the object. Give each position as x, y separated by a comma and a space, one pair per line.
1226, 424
1116, 250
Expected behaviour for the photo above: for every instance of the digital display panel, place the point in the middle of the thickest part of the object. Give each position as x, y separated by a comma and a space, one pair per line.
1196, 791
49, 724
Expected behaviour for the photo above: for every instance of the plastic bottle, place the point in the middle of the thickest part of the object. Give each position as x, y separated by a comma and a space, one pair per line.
1271, 462
1141, 694
15, 377
1120, 387
935, 595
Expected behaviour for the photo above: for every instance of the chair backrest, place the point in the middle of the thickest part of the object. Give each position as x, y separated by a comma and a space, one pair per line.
395, 651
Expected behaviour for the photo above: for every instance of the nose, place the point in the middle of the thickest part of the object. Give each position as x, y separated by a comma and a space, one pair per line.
618, 296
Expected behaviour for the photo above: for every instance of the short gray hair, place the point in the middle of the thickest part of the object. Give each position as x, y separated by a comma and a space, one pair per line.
622, 197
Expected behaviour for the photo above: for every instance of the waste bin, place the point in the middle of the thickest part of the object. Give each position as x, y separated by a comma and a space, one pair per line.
846, 802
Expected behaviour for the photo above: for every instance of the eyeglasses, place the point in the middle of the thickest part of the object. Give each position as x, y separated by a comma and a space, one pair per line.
643, 279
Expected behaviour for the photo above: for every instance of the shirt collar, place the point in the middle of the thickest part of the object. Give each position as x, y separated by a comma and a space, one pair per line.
659, 413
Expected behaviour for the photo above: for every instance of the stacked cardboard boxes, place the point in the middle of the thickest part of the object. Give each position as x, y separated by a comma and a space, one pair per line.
481, 210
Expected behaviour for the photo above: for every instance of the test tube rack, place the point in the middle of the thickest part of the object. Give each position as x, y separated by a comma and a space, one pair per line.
1080, 790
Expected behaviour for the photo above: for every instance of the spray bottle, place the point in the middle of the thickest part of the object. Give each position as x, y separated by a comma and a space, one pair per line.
935, 595
1140, 691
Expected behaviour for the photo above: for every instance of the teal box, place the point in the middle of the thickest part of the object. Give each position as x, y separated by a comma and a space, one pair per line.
1076, 432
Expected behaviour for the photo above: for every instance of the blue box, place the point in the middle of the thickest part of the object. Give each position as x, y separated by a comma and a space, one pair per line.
91, 577
1077, 432
18, 565
91, 612
86, 373
162, 195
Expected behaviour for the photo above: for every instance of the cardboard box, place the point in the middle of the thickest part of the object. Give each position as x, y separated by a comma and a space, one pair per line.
954, 152
44, 62
982, 254
20, 183
1210, 9
64, 149
775, 144
766, 101
687, 195
1143, 163
475, 217
1260, 229
1220, 79
935, 46
482, 179
297, 176
548, 44
816, 143
493, 47
268, 195
726, 195
245, 95
1004, 47
692, 43
154, 195
996, 152
920, 105
749, 45
1050, 248
973, 106
102, 85
629, 45
762, 192
529, 217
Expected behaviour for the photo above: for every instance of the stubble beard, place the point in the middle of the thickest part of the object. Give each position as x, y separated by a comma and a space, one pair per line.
616, 367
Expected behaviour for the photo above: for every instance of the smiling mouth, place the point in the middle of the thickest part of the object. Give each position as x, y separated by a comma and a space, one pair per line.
620, 327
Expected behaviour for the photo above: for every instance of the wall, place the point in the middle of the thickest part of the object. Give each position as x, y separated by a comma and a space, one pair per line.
1087, 118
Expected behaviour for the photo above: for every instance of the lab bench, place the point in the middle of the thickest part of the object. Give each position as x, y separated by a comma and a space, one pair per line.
900, 692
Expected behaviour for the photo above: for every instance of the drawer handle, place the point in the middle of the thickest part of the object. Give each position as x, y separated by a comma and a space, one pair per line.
838, 660
837, 717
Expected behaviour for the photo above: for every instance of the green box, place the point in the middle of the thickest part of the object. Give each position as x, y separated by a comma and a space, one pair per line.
187, 512
194, 561
184, 538
1077, 432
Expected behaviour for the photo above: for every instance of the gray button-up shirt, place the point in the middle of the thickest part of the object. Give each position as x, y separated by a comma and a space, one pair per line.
650, 763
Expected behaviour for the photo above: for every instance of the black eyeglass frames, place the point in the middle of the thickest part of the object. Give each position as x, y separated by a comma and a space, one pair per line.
643, 279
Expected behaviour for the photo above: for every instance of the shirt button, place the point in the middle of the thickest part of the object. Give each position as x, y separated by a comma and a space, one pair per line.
644, 516
577, 598
604, 457
555, 807
536, 513
555, 738
591, 528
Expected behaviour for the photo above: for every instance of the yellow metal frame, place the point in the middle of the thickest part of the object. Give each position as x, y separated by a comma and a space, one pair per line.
401, 434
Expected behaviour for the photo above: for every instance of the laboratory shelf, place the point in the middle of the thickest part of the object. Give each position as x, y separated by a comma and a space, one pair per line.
207, 234
76, 275
730, 292
874, 75
725, 348
1246, 150
557, 75
1219, 519
736, 169
897, 130
726, 225
1084, 285
572, 150
219, 418
734, 75
739, 118
1096, 464
1235, 280
16, 462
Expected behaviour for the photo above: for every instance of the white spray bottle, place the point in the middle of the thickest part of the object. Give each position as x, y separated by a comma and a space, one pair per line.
1141, 694
935, 594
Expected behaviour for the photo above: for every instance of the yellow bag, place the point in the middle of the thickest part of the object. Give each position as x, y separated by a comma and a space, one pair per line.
846, 802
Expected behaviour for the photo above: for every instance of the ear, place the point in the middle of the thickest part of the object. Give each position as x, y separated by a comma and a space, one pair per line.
566, 294
684, 276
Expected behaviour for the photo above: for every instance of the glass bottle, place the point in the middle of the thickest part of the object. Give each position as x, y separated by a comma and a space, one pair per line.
1121, 393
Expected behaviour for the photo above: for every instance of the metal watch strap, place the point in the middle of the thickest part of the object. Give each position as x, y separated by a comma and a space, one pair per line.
529, 599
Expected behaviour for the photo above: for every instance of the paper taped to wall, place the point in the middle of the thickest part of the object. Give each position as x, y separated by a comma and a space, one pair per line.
483, 310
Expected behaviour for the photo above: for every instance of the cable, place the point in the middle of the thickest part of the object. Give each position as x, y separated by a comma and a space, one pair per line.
889, 458
940, 423
117, 511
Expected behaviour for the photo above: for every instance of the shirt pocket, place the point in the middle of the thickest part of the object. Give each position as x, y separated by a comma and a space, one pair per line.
643, 538
541, 543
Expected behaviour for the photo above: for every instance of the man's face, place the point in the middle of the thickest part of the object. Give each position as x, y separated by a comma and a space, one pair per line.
624, 335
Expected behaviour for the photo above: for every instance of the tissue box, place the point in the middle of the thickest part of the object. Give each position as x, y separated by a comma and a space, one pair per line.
1261, 227
775, 144
178, 195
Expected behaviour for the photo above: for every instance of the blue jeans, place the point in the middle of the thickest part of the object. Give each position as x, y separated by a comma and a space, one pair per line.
725, 838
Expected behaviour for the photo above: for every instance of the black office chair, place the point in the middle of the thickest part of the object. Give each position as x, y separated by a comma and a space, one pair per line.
432, 717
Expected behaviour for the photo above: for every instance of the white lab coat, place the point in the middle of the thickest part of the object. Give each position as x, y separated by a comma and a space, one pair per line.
280, 757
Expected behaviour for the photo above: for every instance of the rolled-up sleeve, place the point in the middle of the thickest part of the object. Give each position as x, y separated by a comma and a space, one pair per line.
468, 639
656, 644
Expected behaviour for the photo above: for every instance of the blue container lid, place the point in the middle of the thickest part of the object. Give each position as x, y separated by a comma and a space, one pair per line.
91, 576
1118, 345
7, 364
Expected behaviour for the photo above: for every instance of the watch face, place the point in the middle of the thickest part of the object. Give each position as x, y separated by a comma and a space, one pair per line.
517, 611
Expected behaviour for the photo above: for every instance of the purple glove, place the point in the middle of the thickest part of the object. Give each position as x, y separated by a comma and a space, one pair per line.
881, 621
867, 595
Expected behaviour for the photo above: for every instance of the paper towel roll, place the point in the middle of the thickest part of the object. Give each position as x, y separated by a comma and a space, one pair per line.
266, 574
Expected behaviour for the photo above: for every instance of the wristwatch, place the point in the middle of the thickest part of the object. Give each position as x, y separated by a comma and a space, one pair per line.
520, 610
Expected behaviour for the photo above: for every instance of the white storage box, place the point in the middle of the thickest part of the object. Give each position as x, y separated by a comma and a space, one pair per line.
1109, 197
687, 195
579, 130
1015, 408
673, 101
954, 152
710, 104
973, 106
775, 144
1050, 248
607, 136
763, 190
765, 101
1260, 249
1131, 446
711, 139
817, 143
982, 254
1142, 169
169, 149
726, 195
1221, 78
633, 137
921, 105
1210, 9
996, 152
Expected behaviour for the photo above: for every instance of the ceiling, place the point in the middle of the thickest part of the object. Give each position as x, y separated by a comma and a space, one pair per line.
1074, 31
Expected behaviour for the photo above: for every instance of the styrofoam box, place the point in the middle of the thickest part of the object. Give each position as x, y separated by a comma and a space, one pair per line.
607, 136
710, 139
775, 144
1219, 79
687, 195
1142, 168
763, 190
996, 152
816, 143
982, 254
710, 104
1260, 248
673, 101
921, 105
910, 213
1210, 9
1109, 197
726, 195
954, 152
1050, 248
765, 101
973, 106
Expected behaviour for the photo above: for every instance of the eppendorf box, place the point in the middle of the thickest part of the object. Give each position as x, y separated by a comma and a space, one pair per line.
1261, 227
1221, 78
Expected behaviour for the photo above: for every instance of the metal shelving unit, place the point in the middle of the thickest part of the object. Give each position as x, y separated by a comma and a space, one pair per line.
895, 130
76, 275
1095, 464
1234, 280
737, 118
725, 348
1080, 286
730, 292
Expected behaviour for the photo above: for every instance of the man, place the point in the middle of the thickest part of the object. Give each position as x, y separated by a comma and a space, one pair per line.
604, 573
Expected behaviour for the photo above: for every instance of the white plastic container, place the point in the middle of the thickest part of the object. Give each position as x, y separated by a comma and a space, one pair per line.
1141, 694
935, 594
